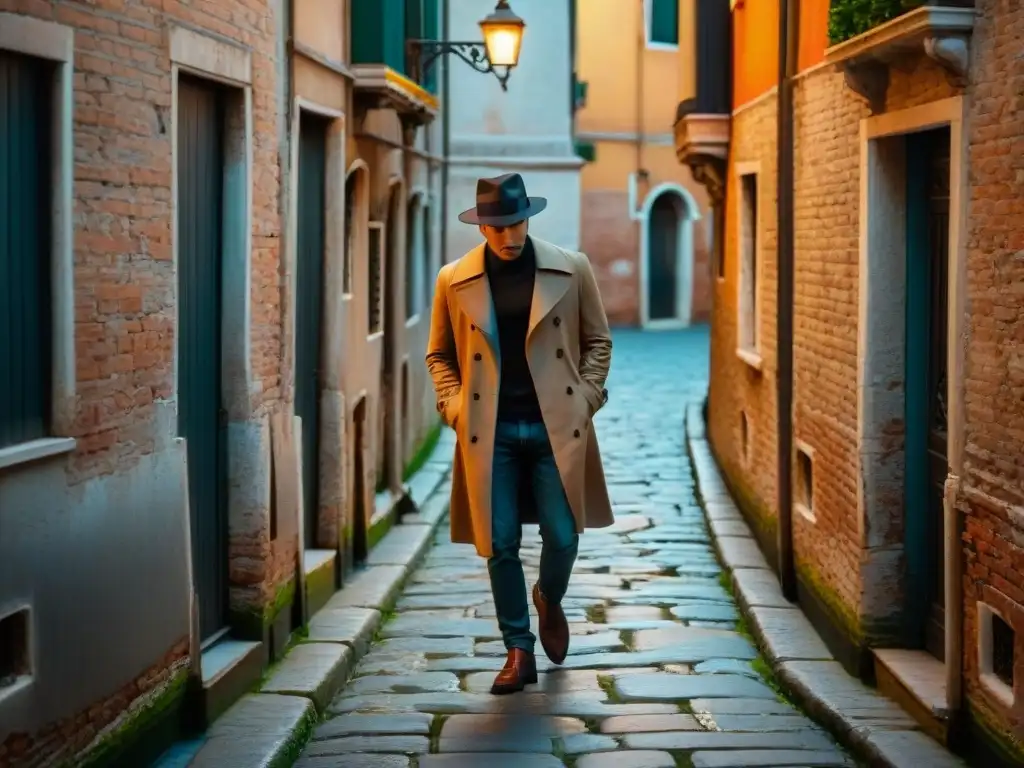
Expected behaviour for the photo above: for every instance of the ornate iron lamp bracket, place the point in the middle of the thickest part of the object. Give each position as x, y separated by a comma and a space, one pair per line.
424, 53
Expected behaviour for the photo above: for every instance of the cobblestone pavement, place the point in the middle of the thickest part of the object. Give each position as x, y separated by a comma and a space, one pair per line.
657, 674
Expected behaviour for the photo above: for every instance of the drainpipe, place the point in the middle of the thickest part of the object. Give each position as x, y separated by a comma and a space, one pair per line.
446, 92
641, 46
789, 36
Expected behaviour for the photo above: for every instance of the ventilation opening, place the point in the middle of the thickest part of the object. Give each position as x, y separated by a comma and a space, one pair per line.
745, 435
15, 660
1003, 638
804, 480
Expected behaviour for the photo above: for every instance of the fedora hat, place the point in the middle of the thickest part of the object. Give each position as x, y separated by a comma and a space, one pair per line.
502, 201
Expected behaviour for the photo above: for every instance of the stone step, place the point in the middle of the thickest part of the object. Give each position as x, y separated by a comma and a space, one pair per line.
260, 731
916, 681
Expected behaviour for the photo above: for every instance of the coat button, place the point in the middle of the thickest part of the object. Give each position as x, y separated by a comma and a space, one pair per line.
559, 354
478, 356
472, 327
476, 395
575, 433
568, 390
558, 322
473, 438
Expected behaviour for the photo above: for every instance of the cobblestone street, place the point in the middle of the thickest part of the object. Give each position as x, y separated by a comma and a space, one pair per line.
658, 674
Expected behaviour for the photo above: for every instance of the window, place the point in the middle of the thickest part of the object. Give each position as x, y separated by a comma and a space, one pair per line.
745, 436
804, 491
375, 283
749, 247
26, 221
15, 657
351, 190
662, 22
429, 270
412, 256
996, 653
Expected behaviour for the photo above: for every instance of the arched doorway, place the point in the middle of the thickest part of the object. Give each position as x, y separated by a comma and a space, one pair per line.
389, 419
667, 257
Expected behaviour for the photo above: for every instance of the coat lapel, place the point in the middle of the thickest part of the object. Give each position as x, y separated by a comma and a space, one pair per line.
554, 278
474, 292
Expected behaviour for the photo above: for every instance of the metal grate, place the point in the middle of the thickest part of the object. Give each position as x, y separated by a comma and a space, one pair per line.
375, 262
1003, 638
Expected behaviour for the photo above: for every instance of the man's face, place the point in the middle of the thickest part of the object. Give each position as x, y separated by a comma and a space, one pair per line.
506, 242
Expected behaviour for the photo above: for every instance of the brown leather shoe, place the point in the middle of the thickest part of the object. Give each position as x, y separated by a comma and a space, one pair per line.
554, 629
520, 670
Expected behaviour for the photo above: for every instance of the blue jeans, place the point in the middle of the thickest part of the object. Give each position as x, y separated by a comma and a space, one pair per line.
522, 450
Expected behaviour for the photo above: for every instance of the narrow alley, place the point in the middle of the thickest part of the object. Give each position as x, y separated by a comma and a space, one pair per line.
658, 673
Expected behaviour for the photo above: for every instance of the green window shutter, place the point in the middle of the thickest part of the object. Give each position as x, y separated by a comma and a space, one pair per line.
664, 21
26, 122
431, 23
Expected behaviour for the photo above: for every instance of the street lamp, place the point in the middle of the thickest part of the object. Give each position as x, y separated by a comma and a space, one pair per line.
503, 39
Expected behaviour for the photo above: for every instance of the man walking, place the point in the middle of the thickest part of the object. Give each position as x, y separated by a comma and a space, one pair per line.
519, 351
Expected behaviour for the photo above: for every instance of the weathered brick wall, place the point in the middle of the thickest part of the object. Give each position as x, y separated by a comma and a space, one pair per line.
735, 385
125, 284
826, 232
608, 235
64, 740
992, 496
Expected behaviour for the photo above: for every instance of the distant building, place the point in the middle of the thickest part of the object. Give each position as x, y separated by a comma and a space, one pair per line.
908, 396
218, 236
526, 129
645, 223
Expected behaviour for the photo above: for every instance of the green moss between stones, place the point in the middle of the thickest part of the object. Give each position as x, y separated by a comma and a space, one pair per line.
378, 530
843, 616
426, 448
297, 741
135, 724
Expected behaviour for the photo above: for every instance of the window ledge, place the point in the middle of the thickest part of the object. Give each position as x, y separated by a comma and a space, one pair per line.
34, 450
805, 512
751, 358
997, 688
12, 692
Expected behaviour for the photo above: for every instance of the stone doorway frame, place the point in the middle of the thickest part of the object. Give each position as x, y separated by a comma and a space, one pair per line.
881, 360
684, 257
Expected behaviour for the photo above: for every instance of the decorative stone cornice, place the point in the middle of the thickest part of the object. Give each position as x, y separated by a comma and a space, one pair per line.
380, 87
940, 32
702, 143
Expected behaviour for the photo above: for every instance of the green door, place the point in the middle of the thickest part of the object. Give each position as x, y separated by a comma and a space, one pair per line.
25, 213
201, 420
663, 258
309, 307
928, 155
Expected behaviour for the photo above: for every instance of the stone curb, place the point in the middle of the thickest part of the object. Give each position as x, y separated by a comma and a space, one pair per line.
302, 685
871, 725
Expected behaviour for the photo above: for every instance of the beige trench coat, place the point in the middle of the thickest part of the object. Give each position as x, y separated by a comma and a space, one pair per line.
568, 348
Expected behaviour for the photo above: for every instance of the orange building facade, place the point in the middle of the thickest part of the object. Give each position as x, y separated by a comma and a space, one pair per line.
644, 221
907, 509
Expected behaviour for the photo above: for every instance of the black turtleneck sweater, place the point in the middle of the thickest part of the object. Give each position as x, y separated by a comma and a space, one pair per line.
512, 293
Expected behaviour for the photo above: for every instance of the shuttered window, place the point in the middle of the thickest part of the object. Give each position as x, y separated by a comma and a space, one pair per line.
663, 22
26, 128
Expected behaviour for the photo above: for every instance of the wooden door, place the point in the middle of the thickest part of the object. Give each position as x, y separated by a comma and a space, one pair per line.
311, 225
201, 418
663, 259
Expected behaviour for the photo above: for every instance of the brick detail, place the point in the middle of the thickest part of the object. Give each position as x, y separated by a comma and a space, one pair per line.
608, 235
64, 740
992, 495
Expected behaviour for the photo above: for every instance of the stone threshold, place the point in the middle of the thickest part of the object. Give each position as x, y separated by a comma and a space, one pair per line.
271, 726
871, 725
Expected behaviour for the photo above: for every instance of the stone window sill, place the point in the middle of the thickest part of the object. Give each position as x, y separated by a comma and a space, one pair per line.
751, 358
805, 512
34, 450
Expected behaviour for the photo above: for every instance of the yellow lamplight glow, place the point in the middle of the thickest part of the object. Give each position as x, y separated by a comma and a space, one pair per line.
503, 35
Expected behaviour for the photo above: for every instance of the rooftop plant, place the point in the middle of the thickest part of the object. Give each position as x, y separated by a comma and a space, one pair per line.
849, 18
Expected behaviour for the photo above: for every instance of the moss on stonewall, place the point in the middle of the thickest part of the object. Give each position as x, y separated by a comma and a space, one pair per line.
999, 746
251, 621
843, 616
423, 453
133, 728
